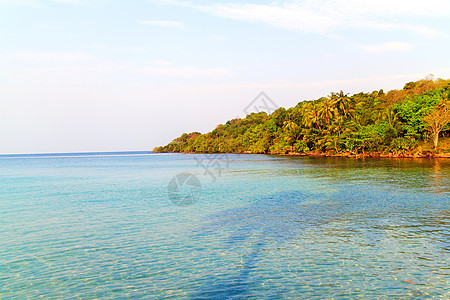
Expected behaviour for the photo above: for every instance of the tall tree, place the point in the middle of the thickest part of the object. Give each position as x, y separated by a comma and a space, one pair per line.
311, 116
327, 110
292, 129
436, 121
342, 102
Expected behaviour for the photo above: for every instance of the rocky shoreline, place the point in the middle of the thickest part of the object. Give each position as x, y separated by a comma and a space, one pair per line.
370, 155
346, 154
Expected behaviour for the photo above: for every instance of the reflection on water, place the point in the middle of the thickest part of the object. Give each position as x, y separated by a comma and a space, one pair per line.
350, 244
269, 227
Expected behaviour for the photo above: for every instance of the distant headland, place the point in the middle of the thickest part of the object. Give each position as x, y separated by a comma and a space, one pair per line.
411, 122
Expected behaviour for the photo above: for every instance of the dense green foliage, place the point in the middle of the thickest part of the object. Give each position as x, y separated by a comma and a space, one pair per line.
366, 122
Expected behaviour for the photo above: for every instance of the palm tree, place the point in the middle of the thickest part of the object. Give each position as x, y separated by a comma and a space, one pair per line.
390, 116
327, 110
311, 116
292, 128
342, 102
335, 129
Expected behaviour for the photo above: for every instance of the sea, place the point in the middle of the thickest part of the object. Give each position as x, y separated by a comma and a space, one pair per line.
141, 225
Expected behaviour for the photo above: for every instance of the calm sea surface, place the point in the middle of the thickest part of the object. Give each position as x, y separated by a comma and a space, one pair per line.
120, 226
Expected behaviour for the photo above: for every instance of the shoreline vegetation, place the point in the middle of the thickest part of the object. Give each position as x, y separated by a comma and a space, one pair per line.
412, 122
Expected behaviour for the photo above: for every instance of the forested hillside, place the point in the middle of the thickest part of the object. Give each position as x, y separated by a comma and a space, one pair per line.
413, 121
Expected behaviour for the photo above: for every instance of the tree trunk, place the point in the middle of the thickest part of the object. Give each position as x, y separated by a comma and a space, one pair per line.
436, 139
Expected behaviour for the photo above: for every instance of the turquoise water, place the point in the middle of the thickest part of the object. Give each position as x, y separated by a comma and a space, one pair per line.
103, 226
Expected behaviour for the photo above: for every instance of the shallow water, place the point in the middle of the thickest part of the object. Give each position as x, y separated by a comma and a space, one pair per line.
104, 226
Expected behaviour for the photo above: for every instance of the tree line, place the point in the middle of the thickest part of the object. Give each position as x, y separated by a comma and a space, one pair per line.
400, 122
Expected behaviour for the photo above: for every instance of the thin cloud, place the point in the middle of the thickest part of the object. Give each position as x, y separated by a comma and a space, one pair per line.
55, 63
186, 71
77, 2
161, 23
46, 56
288, 17
41, 3
387, 47
330, 16
162, 63
219, 37
26, 3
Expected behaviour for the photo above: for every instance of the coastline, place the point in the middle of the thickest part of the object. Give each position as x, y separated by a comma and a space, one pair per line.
371, 155
344, 155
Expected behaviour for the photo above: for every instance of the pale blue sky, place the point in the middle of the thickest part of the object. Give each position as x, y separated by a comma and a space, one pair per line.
99, 75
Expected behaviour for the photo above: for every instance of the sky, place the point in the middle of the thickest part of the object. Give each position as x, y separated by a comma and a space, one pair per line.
104, 75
